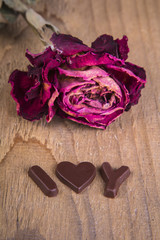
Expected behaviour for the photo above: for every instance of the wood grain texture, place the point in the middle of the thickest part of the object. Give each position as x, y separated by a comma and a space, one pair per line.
133, 139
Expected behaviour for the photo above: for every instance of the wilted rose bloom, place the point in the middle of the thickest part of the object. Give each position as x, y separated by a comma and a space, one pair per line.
33, 91
90, 85
96, 85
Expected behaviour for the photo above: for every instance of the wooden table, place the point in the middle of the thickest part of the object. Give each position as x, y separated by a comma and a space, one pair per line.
133, 139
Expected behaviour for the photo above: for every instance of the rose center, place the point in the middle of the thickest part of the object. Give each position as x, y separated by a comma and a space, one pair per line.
95, 97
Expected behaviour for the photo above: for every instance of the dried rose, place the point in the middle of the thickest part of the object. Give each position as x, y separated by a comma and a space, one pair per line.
33, 91
92, 86
96, 85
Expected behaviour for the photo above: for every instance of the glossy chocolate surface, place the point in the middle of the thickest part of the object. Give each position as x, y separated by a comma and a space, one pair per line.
77, 177
43, 181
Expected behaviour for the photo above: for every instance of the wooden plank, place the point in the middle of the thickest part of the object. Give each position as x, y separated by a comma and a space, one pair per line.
133, 139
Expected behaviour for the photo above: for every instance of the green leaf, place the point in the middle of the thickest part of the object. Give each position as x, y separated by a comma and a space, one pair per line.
16, 5
8, 15
30, 1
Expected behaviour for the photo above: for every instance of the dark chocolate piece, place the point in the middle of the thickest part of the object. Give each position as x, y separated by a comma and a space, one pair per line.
43, 181
113, 178
77, 177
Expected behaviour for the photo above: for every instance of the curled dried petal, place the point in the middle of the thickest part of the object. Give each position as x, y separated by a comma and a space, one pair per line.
68, 45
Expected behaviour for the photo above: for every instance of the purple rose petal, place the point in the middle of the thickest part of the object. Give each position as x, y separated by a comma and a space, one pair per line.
131, 80
39, 59
93, 59
106, 44
123, 47
30, 109
67, 45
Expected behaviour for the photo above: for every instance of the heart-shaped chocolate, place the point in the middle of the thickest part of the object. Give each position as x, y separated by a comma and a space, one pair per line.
77, 177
